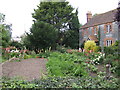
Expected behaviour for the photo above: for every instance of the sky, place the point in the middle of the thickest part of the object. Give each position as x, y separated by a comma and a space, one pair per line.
18, 12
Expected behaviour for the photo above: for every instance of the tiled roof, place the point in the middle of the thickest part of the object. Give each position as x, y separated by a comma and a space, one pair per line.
92, 37
101, 19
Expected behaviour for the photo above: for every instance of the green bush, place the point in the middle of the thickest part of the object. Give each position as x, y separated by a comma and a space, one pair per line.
90, 45
44, 54
62, 82
14, 54
117, 70
92, 68
15, 83
113, 49
61, 49
60, 64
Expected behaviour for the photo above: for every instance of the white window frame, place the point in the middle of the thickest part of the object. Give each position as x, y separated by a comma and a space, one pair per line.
108, 42
108, 28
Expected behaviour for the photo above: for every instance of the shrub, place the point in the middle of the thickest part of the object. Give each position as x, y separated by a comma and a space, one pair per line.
60, 64
90, 45
113, 49
61, 49
117, 70
44, 54
62, 82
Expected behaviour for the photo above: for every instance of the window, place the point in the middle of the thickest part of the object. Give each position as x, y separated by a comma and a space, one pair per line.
108, 43
108, 28
95, 31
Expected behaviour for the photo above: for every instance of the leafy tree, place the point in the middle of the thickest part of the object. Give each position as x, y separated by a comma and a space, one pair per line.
25, 41
58, 14
42, 36
118, 14
16, 44
2, 17
5, 32
72, 35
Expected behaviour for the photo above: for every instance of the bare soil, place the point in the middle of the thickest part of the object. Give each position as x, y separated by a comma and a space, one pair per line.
27, 69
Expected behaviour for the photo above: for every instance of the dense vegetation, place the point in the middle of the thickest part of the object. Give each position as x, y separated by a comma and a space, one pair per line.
49, 16
5, 32
56, 27
42, 36
69, 69
62, 82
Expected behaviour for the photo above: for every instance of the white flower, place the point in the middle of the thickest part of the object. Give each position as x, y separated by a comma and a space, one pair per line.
16, 50
12, 51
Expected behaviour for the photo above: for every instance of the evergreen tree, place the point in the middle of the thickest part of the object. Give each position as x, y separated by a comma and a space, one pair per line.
42, 36
72, 35
58, 14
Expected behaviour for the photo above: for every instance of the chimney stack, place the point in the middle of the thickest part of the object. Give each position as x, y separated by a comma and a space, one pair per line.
89, 15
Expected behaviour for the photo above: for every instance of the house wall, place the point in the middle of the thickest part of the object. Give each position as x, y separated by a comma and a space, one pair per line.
113, 35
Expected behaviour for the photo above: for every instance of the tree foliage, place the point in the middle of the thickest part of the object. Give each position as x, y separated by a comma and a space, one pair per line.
118, 14
61, 16
5, 32
16, 44
51, 15
56, 13
72, 36
42, 36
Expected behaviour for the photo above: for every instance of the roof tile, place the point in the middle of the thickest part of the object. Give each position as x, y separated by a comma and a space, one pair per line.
101, 18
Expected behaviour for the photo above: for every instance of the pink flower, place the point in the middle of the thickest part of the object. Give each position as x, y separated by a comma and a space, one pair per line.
86, 54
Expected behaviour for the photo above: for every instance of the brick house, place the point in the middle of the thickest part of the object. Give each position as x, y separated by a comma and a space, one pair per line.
102, 28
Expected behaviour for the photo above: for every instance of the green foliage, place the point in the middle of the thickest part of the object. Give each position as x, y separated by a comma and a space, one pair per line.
113, 49
93, 68
5, 32
71, 39
57, 14
118, 14
16, 44
62, 82
72, 36
64, 65
113, 57
5, 37
61, 49
90, 45
14, 54
76, 82
16, 83
44, 54
61, 16
117, 69
26, 42
42, 36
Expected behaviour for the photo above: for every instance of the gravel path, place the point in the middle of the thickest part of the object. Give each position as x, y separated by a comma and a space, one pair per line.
28, 69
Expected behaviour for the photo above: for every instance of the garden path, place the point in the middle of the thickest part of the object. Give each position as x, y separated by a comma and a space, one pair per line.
27, 69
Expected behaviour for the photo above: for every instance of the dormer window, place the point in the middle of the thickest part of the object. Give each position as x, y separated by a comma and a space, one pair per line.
108, 28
